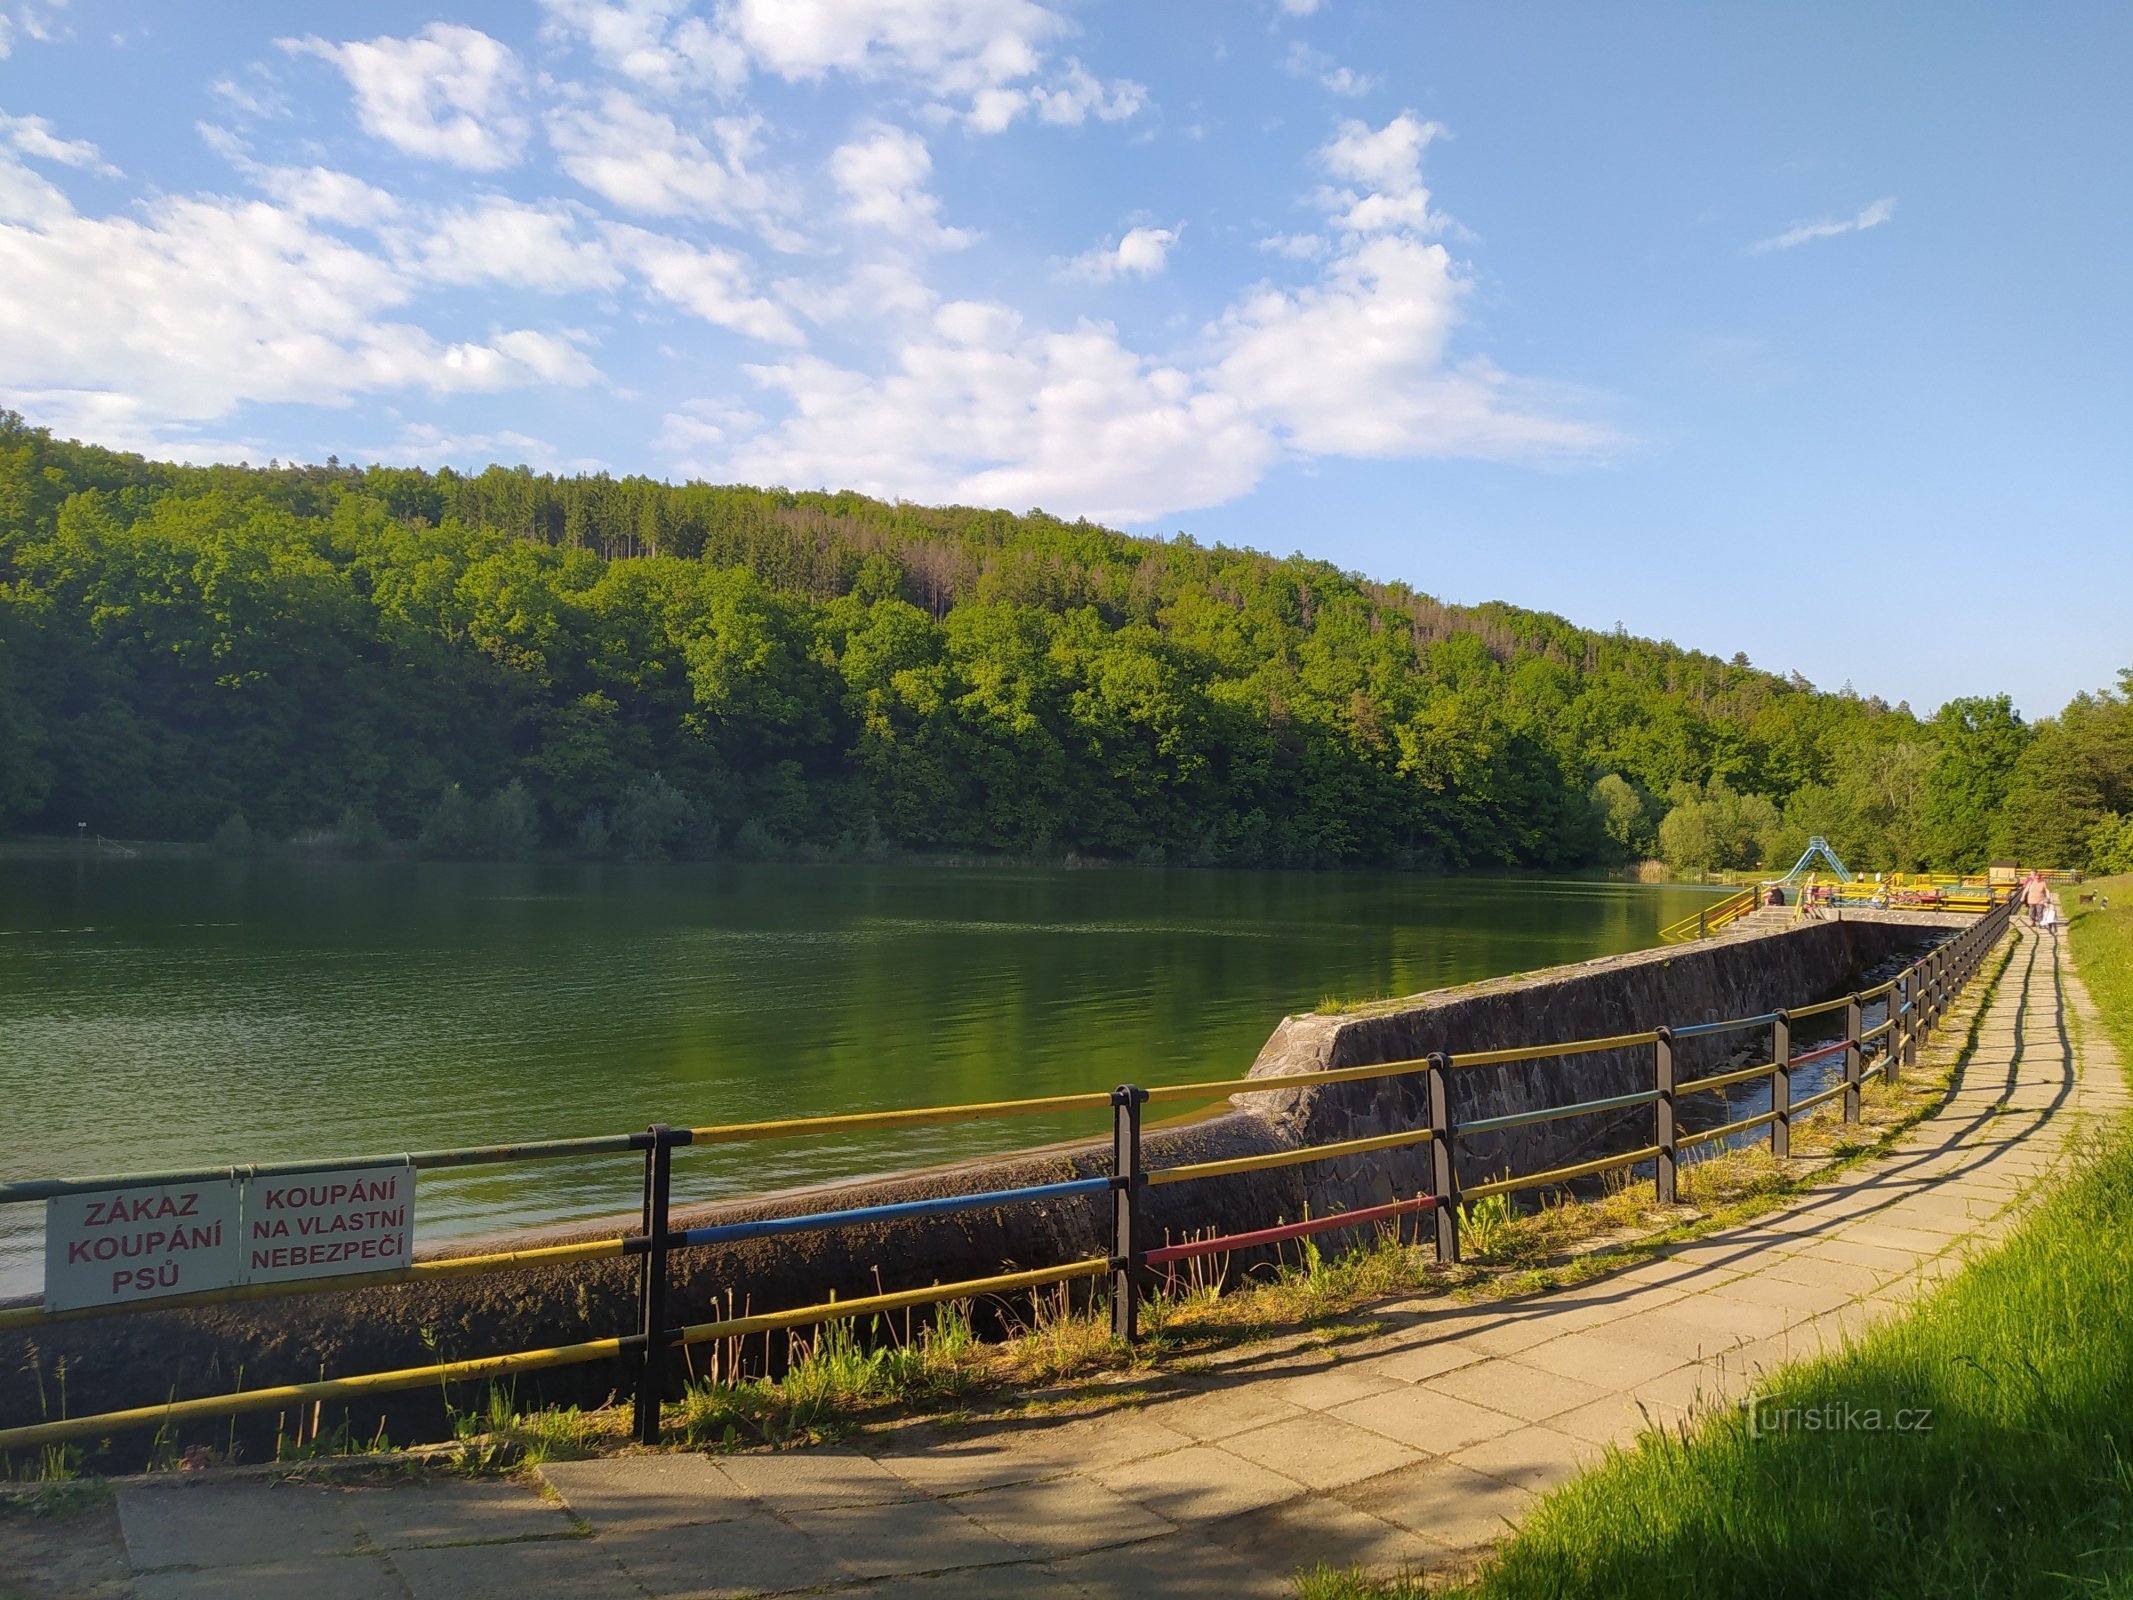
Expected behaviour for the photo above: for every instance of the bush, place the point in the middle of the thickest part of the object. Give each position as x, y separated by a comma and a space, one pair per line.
592, 837
234, 837
754, 843
358, 833
652, 818
510, 823
448, 826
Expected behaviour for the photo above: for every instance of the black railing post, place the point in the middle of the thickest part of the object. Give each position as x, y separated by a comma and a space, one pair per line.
1854, 1023
1127, 1180
1443, 1165
1663, 1134
1899, 1037
652, 1281
1781, 1085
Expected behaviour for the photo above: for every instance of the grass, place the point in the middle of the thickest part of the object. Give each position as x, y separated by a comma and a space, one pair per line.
1982, 1446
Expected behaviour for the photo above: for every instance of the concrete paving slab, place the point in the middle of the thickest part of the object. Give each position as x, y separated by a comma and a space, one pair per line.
358, 1577
667, 1491
880, 1541
1426, 1361
1336, 1385
1617, 1420
407, 1516
1199, 1485
1795, 1301
797, 1480
1307, 1533
233, 1524
1534, 1458
1233, 1408
1823, 1272
1031, 1581
1531, 1393
1061, 1516
1187, 1567
1321, 1451
755, 1554
1620, 1357
1451, 1505
1423, 1419
575, 1569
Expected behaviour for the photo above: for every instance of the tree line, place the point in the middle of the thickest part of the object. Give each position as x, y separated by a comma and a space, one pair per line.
509, 662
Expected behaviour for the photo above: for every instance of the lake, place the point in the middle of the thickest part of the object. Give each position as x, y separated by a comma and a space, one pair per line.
167, 1013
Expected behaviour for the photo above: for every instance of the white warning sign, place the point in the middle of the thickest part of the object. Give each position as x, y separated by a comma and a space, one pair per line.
323, 1224
108, 1246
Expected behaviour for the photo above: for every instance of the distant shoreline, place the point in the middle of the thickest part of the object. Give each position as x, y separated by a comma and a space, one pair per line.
54, 847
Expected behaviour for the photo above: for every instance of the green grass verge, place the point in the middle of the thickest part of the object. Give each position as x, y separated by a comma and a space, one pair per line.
1982, 1446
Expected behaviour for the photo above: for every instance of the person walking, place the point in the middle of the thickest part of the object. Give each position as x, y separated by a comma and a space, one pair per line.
2036, 895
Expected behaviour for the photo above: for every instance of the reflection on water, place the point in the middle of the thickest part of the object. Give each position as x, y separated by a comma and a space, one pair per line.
158, 1014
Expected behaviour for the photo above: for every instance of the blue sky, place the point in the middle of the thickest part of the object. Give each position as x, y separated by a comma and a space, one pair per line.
1796, 330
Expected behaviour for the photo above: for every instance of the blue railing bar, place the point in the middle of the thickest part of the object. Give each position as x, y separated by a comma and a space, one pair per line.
1693, 1029
424, 1160
1521, 1118
771, 1227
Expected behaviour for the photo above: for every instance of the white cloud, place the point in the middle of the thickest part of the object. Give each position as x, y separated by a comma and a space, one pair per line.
1078, 95
498, 240
1869, 216
1301, 8
1142, 253
316, 192
642, 161
137, 328
33, 136
1355, 365
494, 240
327, 195
708, 283
957, 46
988, 56
653, 42
877, 292
1304, 62
261, 101
973, 407
1387, 163
449, 94
883, 177
1295, 246
690, 439
39, 22
424, 444
978, 412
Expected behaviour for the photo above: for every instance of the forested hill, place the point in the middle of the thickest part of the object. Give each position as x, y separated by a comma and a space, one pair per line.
501, 661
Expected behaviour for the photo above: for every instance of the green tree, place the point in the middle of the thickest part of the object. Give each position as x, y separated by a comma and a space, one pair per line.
1621, 818
1980, 741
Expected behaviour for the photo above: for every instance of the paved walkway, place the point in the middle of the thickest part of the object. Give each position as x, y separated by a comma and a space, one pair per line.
1409, 1451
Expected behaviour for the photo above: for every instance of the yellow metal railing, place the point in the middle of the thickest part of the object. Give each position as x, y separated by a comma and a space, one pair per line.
1710, 919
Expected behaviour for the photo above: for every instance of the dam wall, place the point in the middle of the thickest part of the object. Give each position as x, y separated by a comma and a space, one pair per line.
146, 1357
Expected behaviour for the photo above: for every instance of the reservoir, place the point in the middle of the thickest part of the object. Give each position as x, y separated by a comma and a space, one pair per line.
179, 1013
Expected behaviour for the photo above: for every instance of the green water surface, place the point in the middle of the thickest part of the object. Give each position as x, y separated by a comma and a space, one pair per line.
166, 1013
